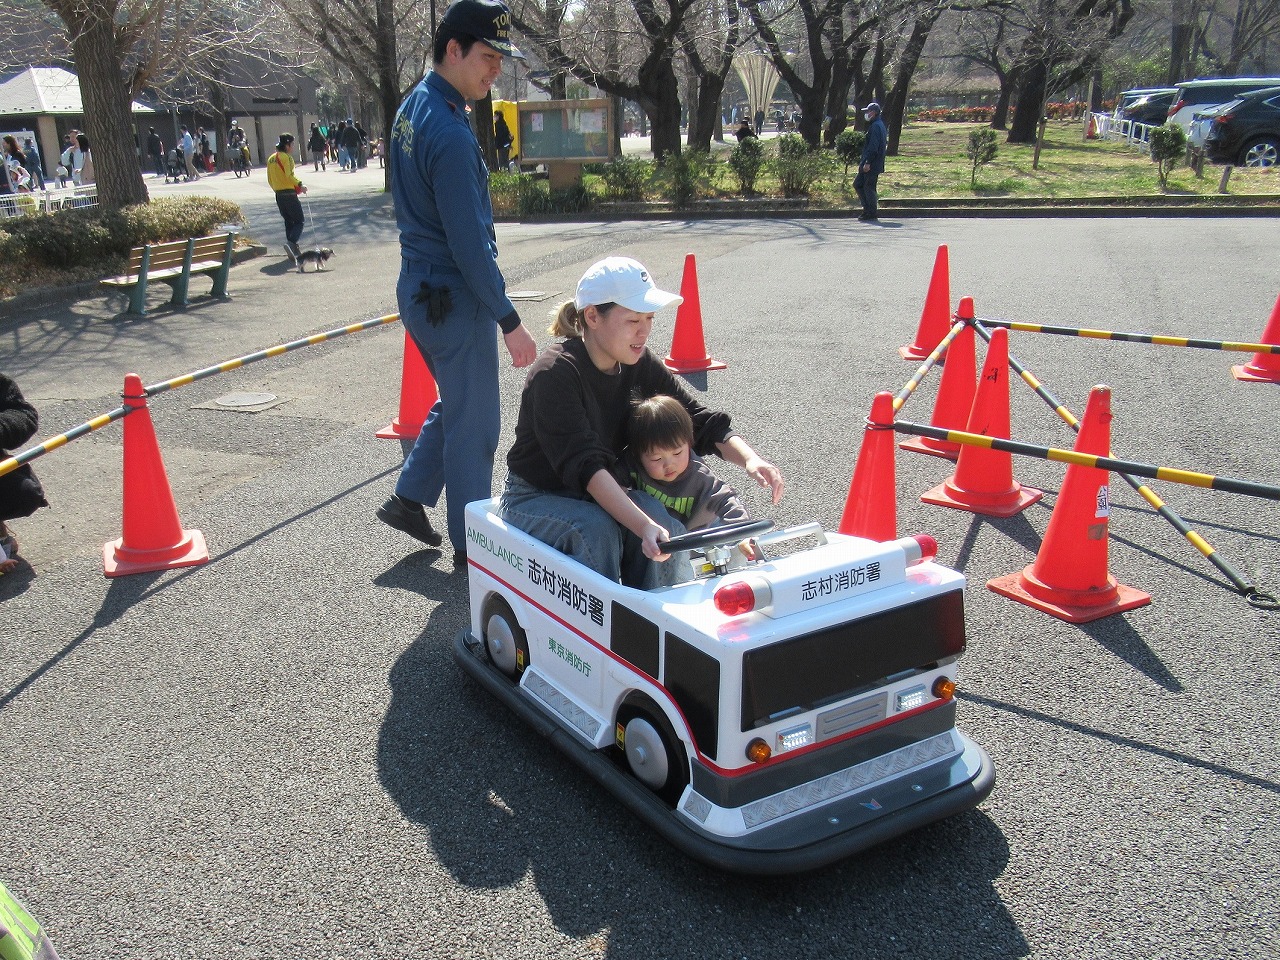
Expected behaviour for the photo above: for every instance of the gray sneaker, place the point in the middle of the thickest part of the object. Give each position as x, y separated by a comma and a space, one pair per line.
413, 521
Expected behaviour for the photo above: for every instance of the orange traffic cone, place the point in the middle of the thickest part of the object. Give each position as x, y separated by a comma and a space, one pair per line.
153, 536
871, 509
955, 391
418, 395
1093, 128
688, 347
935, 318
1264, 367
1069, 578
983, 481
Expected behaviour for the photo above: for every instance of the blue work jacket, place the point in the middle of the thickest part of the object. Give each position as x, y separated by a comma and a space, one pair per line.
440, 186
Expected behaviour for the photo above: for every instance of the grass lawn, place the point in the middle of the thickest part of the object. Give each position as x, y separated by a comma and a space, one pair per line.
931, 165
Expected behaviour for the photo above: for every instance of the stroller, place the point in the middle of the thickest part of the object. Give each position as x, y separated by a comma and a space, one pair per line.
175, 167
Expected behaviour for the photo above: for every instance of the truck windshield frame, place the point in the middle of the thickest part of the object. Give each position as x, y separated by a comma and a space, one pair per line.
803, 673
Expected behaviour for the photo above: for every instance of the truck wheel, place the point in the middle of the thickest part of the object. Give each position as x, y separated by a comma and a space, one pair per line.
504, 639
655, 755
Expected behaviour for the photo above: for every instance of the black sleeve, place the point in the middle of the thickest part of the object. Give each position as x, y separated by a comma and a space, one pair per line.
18, 419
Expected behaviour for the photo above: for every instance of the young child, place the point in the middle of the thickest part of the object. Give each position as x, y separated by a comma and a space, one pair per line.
662, 464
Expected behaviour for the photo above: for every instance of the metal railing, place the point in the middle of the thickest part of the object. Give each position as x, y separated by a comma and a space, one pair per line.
49, 201
1108, 127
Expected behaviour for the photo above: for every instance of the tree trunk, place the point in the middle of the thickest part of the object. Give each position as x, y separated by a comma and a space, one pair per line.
895, 106
482, 120
388, 77
107, 114
1180, 40
838, 97
1000, 118
706, 112
1031, 92
660, 99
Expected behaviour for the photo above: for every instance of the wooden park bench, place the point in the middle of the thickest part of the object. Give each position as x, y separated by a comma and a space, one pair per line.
174, 263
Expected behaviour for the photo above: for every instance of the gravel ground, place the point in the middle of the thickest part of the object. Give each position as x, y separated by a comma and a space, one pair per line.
273, 755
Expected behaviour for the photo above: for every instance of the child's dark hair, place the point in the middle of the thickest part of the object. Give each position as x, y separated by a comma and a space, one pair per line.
659, 423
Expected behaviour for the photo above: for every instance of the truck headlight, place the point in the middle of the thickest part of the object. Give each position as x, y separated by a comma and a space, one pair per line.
795, 737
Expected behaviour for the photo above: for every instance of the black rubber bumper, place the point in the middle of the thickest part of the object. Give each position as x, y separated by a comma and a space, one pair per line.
795, 852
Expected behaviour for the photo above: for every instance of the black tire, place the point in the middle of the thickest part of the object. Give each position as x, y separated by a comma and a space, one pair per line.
505, 643
1260, 152
651, 750
239, 171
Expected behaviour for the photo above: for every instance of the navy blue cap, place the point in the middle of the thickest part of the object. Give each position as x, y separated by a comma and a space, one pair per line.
486, 20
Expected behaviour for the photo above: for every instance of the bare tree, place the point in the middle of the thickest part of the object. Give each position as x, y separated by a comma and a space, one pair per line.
642, 66
120, 48
1062, 40
716, 29
385, 46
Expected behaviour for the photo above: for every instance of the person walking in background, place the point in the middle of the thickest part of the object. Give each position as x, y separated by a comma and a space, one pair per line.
363, 143
759, 122
871, 165
87, 173
451, 293
502, 141
155, 150
36, 165
288, 188
189, 154
349, 138
319, 148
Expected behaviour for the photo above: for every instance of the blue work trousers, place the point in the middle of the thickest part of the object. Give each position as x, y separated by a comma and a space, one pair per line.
454, 452
583, 530
865, 185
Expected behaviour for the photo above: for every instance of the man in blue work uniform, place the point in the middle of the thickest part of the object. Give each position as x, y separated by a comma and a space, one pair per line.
451, 295
871, 165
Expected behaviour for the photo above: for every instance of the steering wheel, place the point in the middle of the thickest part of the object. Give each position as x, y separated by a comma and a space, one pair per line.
715, 536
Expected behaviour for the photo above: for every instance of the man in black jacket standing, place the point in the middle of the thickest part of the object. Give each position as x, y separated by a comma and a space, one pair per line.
872, 163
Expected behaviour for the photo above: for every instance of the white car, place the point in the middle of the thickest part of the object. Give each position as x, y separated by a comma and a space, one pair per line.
1199, 96
774, 714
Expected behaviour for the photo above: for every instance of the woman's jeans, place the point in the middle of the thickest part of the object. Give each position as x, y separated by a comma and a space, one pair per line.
583, 530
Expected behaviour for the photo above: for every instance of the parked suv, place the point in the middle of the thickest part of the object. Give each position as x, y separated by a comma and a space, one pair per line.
1197, 96
1151, 107
1246, 131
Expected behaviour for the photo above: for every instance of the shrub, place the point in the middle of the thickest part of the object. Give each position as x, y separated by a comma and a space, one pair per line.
982, 149
747, 163
1168, 146
684, 175
625, 178
849, 146
74, 238
798, 166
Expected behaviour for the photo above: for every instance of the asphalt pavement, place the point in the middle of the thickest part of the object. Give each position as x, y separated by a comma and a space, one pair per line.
273, 755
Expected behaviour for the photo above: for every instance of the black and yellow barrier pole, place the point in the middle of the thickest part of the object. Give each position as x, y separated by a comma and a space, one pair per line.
53, 443
269, 352
1191, 478
926, 365
1156, 338
1248, 590
97, 423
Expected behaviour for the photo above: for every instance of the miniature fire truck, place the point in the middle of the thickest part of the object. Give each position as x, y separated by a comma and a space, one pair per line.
789, 706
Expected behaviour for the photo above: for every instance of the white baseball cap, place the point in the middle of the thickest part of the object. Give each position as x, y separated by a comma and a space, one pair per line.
623, 281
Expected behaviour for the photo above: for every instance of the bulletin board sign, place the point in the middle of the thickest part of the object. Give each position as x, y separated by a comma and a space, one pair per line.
580, 130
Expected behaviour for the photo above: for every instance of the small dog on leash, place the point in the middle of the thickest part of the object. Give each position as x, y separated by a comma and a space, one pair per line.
318, 255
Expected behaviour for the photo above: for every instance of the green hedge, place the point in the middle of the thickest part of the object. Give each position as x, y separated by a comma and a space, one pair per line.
85, 238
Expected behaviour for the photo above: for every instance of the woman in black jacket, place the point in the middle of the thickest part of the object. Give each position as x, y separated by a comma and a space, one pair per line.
20, 492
